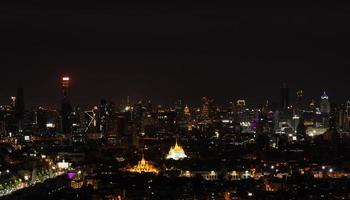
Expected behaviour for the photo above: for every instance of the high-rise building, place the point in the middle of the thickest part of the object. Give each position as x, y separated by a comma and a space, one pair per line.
299, 104
207, 110
138, 117
179, 110
19, 108
284, 97
65, 86
348, 109
325, 107
66, 107
346, 122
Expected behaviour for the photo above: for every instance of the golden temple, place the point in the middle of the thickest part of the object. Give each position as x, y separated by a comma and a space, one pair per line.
143, 166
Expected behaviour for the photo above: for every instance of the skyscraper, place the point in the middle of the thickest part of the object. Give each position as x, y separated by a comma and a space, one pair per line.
207, 108
299, 104
65, 86
325, 107
284, 97
347, 116
19, 108
66, 107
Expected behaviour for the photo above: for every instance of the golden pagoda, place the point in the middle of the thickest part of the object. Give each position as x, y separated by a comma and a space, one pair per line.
187, 111
143, 166
176, 152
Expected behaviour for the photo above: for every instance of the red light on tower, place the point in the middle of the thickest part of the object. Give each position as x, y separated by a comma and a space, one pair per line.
65, 84
65, 81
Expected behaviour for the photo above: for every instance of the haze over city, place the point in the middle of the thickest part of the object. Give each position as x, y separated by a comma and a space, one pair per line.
180, 51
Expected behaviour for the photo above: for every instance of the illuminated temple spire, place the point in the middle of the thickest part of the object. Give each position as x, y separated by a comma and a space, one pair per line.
143, 166
176, 152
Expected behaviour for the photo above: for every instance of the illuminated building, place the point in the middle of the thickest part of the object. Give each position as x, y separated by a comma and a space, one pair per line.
325, 110
63, 165
19, 108
313, 131
143, 166
186, 174
347, 116
211, 176
66, 107
299, 105
325, 105
241, 103
76, 183
176, 152
65, 85
206, 108
187, 111
239, 111
138, 115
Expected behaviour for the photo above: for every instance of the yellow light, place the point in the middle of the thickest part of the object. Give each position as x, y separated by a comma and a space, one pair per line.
143, 166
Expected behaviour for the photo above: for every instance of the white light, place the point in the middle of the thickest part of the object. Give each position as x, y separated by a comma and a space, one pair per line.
330, 170
50, 125
127, 108
63, 165
250, 194
323, 167
26, 137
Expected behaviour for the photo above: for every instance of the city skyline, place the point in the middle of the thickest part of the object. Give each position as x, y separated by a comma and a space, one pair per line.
165, 52
173, 101
292, 98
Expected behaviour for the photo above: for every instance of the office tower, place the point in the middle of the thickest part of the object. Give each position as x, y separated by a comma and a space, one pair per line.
40, 121
65, 86
325, 107
149, 107
19, 108
66, 107
138, 117
103, 117
179, 110
122, 125
301, 128
299, 104
347, 116
78, 125
284, 97
207, 108
239, 111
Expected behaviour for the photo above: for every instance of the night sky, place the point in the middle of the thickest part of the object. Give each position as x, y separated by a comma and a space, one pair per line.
165, 52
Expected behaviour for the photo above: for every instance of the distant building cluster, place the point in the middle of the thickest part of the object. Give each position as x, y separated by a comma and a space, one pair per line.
128, 123
268, 147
